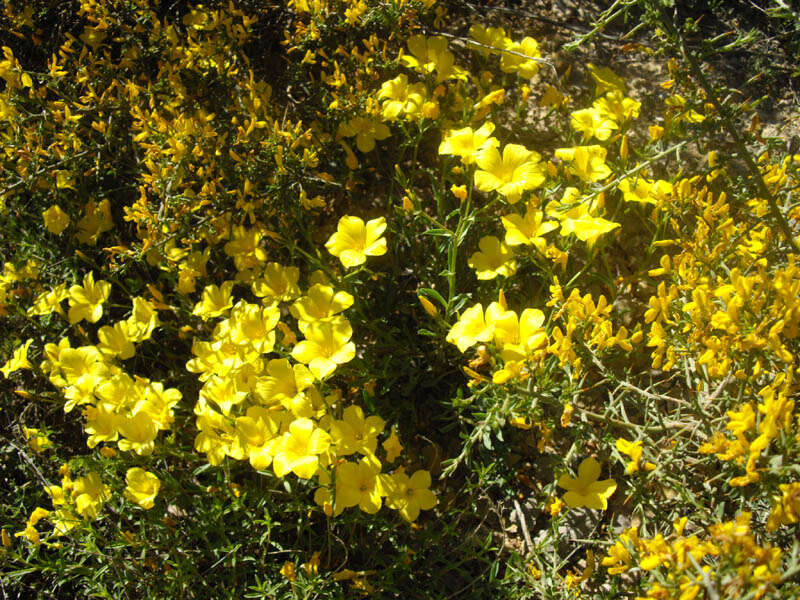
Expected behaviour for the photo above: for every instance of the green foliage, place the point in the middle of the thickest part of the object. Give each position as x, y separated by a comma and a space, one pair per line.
337, 299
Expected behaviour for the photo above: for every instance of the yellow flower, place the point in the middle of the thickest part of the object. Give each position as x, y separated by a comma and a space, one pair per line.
593, 123
86, 302
49, 302
55, 219
678, 103
245, 248
527, 230
493, 259
288, 571
605, 80
467, 143
483, 105
101, 425
36, 440
619, 557
222, 392
586, 490
354, 240
366, 130
216, 300
258, 432
357, 484
96, 220
326, 346
116, 341
89, 494
299, 449
632, 449
516, 171
470, 329
459, 191
139, 433
142, 487
284, 384
321, 303
30, 532
143, 320
253, 326
18, 360
656, 132
407, 494
587, 162
526, 66
587, 228
354, 433
552, 97
555, 506
79, 367
494, 37
429, 55
312, 566
392, 446
644, 191
400, 98
785, 507
277, 283
617, 107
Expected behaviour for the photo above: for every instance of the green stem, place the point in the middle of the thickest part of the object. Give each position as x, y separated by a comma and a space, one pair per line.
452, 252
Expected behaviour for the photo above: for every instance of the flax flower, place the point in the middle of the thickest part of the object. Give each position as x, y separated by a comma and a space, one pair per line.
19, 360
593, 123
644, 191
493, 259
327, 345
398, 98
586, 490
517, 170
467, 143
366, 130
527, 230
526, 66
142, 487
55, 219
86, 301
431, 54
354, 240
357, 484
470, 329
299, 449
587, 162
491, 40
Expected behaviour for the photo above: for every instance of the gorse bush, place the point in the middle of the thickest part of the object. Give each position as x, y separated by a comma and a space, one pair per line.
341, 298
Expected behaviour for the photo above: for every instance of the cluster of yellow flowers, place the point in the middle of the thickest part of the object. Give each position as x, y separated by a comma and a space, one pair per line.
72, 500
523, 342
117, 407
226, 194
271, 411
746, 314
84, 497
682, 562
12, 277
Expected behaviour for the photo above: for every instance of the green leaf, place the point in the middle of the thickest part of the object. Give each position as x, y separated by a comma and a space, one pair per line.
438, 232
432, 294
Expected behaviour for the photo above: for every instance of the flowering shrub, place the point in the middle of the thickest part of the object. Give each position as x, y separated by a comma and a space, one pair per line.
313, 299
